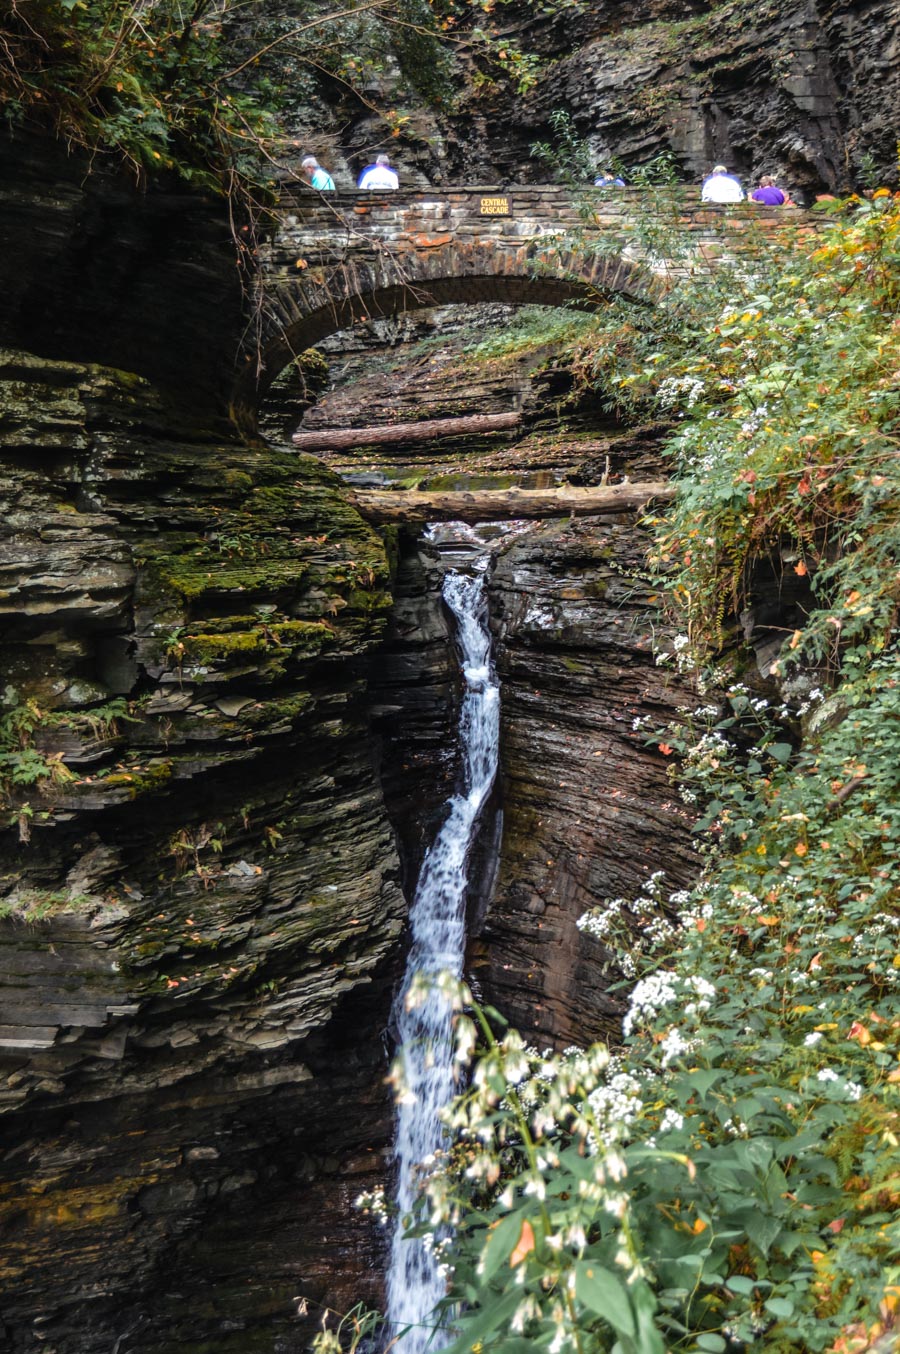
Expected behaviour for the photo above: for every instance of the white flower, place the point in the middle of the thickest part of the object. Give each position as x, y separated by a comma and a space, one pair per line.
827, 1074
673, 1046
812, 1039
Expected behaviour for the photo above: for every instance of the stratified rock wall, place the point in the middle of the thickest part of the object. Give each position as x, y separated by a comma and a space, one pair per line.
802, 90
589, 812
94, 270
199, 885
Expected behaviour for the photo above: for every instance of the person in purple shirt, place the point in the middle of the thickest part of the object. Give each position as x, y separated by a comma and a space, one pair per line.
768, 193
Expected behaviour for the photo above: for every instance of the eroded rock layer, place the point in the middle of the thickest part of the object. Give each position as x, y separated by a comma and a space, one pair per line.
202, 876
588, 809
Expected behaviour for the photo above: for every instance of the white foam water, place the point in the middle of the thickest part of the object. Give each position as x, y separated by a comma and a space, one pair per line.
437, 919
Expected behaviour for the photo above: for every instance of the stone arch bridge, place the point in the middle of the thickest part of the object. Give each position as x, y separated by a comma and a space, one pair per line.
336, 259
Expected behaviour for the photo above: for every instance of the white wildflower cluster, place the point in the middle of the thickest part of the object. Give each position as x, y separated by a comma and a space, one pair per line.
748, 903
680, 653
441, 1248
650, 996
372, 1203
708, 753
851, 1089
641, 925
812, 699
676, 391
704, 994
671, 1121
654, 994
674, 1046
814, 1038
879, 941
691, 910
755, 420
615, 1105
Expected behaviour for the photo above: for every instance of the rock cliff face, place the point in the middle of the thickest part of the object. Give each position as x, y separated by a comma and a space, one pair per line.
806, 90
200, 886
587, 811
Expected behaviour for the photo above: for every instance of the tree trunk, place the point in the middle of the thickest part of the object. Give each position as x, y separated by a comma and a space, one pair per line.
339, 438
383, 506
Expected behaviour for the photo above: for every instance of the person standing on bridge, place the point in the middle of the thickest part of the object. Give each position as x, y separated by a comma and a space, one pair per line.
379, 175
315, 175
770, 194
720, 186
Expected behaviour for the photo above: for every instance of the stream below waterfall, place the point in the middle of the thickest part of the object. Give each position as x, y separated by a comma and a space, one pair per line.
438, 923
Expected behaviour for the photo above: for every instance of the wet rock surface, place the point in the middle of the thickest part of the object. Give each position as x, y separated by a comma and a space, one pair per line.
583, 810
199, 885
203, 880
588, 809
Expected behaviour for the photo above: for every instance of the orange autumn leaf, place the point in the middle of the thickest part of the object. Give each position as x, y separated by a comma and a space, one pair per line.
665, 749
801, 849
859, 1032
524, 1245
801, 569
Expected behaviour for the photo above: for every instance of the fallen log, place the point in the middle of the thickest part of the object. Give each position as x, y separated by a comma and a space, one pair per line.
384, 506
337, 439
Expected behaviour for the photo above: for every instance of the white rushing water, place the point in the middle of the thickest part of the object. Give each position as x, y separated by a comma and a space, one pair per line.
438, 919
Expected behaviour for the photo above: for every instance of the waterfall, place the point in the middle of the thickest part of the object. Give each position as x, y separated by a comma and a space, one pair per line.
437, 919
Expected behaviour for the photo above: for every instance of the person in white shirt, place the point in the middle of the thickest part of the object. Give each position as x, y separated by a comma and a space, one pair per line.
721, 186
379, 175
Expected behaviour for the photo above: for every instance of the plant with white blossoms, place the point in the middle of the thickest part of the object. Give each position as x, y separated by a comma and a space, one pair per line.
536, 1190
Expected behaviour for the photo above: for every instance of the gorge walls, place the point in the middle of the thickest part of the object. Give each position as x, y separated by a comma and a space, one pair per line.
227, 708
199, 879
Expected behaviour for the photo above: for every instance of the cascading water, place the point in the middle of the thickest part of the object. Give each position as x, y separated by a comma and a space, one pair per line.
437, 918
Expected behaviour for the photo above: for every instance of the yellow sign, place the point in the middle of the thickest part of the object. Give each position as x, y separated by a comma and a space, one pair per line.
495, 206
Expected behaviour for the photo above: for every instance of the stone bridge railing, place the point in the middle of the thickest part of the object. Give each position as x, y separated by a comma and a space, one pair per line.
336, 259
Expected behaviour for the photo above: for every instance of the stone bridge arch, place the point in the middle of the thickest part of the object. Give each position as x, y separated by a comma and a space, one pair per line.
335, 261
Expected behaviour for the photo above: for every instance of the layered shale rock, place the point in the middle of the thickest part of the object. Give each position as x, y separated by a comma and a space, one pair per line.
806, 91
199, 885
589, 812
202, 876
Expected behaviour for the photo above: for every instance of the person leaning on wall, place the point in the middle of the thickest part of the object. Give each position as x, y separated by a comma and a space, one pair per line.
315, 175
720, 186
769, 194
379, 175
